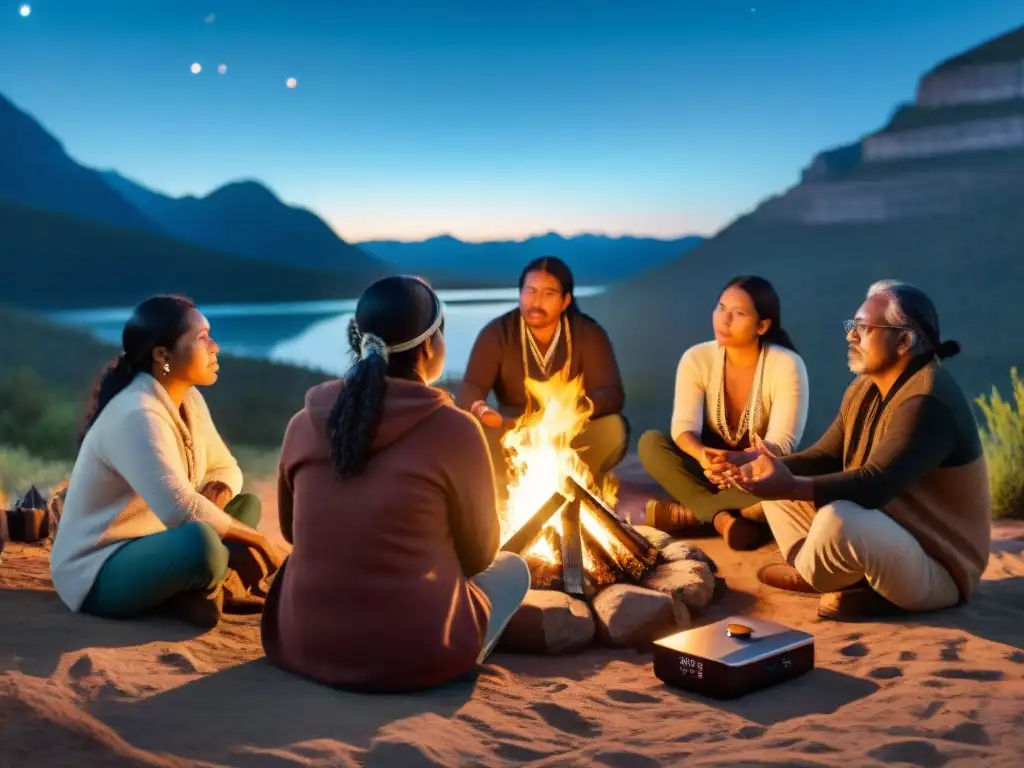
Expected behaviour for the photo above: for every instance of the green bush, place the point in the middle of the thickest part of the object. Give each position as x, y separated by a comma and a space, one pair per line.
20, 470
1003, 440
33, 417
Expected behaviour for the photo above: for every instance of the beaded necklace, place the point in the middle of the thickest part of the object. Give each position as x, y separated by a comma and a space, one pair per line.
751, 413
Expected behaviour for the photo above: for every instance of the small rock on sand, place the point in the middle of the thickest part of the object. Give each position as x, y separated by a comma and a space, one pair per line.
689, 581
549, 622
631, 616
680, 550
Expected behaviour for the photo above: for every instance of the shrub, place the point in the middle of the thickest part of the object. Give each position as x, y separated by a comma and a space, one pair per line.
1003, 441
20, 470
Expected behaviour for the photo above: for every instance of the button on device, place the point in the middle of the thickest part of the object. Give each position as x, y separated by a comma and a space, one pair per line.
739, 631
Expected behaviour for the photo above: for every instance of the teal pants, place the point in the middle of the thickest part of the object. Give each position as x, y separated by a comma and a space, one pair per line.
146, 572
683, 477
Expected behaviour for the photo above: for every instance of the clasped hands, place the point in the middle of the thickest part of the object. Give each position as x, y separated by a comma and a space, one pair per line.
756, 470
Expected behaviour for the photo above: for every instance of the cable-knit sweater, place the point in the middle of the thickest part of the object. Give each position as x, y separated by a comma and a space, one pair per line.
137, 473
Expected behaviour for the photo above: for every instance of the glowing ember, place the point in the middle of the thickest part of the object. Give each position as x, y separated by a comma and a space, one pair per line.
541, 456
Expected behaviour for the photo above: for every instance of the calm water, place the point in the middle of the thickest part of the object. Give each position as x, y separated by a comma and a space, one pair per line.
313, 333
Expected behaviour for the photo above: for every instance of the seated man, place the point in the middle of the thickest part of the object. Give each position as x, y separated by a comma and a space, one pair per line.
889, 511
545, 333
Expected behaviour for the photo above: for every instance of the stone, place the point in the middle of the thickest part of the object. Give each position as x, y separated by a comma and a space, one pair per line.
633, 617
689, 581
681, 550
548, 622
653, 535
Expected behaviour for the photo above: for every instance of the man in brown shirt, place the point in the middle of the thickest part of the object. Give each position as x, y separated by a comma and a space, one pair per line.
545, 333
889, 511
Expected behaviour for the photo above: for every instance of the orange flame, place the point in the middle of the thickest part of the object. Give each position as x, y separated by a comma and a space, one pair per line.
540, 455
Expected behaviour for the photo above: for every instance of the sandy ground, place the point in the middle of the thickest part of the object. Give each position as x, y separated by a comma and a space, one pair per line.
944, 690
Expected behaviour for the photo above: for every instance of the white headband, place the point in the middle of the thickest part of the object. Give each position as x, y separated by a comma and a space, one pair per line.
371, 343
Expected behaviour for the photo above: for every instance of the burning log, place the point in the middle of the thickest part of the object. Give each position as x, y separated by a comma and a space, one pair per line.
602, 570
545, 573
520, 541
638, 547
572, 549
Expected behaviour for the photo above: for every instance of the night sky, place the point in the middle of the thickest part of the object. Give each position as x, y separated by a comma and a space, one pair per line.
480, 119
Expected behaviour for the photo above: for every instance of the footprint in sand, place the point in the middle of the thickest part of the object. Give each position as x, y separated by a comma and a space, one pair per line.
968, 733
1017, 657
750, 732
952, 650
562, 719
910, 752
182, 662
855, 650
81, 668
632, 697
978, 675
517, 753
908, 656
886, 673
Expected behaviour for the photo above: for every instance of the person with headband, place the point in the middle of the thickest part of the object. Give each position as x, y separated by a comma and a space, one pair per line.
546, 333
386, 490
889, 512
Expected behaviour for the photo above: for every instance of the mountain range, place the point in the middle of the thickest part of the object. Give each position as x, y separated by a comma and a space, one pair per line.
934, 197
594, 259
237, 243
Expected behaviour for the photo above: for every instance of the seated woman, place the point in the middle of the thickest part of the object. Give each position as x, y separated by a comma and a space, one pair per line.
154, 492
386, 490
748, 384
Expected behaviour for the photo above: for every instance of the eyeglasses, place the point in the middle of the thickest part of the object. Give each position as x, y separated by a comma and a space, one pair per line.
860, 326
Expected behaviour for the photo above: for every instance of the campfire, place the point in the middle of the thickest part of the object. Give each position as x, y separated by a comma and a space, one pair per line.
555, 515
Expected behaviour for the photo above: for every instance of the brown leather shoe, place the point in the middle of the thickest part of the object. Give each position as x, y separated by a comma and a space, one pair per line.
670, 517
858, 603
784, 576
738, 533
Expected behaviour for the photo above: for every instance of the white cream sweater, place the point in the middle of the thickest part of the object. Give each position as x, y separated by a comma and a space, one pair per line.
784, 395
137, 473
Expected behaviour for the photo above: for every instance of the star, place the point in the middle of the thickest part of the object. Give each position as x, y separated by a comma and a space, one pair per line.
291, 82
210, 18
25, 10
222, 68
196, 68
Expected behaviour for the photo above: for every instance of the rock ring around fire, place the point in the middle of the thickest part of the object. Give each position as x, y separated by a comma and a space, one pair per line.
620, 615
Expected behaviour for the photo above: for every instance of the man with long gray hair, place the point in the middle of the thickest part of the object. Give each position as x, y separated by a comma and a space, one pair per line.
889, 511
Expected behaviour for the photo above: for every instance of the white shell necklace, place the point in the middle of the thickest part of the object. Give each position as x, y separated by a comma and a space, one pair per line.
751, 415
544, 361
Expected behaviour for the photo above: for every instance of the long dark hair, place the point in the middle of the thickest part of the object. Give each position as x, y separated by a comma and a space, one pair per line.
395, 310
159, 321
767, 305
559, 270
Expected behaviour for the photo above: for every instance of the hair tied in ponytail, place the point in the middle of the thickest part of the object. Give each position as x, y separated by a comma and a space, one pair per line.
946, 349
372, 344
121, 365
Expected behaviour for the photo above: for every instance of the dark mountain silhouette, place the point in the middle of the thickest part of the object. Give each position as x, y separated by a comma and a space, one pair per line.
934, 198
57, 261
593, 258
35, 170
248, 219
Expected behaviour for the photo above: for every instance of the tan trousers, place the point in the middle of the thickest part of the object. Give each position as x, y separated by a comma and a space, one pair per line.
841, 543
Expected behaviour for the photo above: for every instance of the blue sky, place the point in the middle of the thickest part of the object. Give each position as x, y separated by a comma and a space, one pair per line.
414, 118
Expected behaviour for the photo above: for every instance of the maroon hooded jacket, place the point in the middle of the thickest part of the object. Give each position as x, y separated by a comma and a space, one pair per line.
375, 595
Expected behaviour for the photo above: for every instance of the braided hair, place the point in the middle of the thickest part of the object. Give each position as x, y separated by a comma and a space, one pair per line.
394, 318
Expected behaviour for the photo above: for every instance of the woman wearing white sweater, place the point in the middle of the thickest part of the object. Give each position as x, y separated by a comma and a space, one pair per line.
155, 491
749, 384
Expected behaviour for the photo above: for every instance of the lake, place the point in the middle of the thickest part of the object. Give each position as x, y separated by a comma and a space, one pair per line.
313, 333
